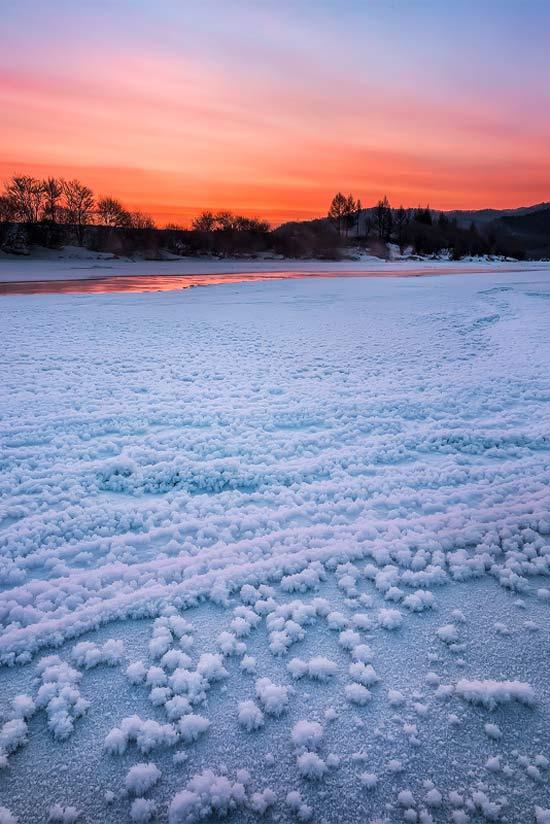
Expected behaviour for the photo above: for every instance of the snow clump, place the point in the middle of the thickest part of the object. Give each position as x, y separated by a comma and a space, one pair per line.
206, 794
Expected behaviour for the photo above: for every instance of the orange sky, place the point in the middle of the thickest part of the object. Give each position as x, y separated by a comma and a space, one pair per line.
259, 120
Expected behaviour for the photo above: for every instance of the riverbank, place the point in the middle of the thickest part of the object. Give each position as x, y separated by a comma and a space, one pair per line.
30, 276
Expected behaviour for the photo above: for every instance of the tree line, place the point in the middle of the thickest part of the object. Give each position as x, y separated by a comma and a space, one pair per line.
228, 222
53, 212
420, 230
30, 200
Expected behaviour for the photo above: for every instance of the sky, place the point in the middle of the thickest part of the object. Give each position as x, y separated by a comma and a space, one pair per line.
268, 107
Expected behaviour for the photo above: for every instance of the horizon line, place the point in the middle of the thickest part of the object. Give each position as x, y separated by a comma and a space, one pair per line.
174, 213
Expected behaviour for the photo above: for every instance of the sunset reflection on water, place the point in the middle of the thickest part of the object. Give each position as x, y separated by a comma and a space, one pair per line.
167, 283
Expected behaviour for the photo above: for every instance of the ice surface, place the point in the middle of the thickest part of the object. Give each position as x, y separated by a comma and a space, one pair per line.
75, 263
277, 550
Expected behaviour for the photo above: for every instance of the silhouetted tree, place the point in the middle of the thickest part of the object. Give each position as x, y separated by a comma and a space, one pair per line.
357, 216
383, 219
338, 211
139, 220
79, 204
27, 196
205, 222
112, 213
53, 191
401, 219
350, 215
7, 209
225, 221
423, 216
250, 224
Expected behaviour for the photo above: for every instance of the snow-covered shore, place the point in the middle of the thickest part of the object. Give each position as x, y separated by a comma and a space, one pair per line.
280, 551
76, 265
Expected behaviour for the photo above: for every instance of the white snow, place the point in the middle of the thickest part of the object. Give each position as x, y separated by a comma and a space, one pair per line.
63, 815
493, 731
210, 666
273, 697
490, 810
156, 677
405, 798
357, 694
13, 734
295, 802
363, 653
192, 726
390, 618
348, 639
311, 766
433, 798
87, 654
419, 601
395, 698
136, 672
141, 778
448, 634
307, 734
75, 263
490, 693
368, 780
217, 504
59, 695
148, 734
319, 668
23, 706
248, 664
260, 802
206, 794
143, 810
250, 716
363, 673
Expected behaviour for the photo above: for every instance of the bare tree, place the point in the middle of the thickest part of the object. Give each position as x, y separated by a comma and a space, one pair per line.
250, 224
52, 195
139, 220
205, 222
79, 205
225, 221
338, 211
7, 209
112, 213
27, 196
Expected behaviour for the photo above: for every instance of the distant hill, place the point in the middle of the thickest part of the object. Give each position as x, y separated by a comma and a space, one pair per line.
520, 232
531, 228
465, 217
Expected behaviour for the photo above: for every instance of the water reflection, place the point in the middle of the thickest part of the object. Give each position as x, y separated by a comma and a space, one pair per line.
166, 283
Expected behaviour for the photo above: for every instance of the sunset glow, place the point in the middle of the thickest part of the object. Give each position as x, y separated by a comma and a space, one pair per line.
195, 105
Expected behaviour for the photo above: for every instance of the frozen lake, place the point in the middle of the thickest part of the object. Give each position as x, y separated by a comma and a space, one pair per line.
290, 543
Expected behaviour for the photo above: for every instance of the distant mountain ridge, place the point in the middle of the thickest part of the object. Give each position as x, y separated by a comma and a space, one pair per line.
464, 217
487, 215
523, 231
